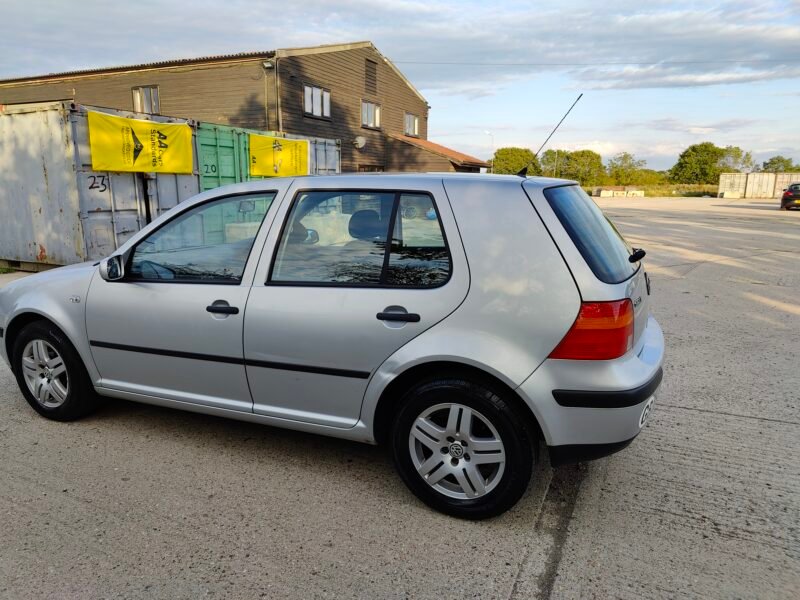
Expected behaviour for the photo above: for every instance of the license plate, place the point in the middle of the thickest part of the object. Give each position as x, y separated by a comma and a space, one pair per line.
646, 412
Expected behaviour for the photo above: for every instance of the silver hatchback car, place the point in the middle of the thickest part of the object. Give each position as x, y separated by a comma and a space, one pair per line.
456, 319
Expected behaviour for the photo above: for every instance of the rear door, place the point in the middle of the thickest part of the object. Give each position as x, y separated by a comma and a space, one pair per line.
351, 276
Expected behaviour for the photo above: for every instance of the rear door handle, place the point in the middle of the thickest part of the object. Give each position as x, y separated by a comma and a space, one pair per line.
222, 309
403, 317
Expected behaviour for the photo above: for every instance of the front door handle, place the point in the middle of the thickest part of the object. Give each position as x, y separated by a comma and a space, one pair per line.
398, 313
222, 309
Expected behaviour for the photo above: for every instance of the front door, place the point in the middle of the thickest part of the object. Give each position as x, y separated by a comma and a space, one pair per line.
172, 328
340, 294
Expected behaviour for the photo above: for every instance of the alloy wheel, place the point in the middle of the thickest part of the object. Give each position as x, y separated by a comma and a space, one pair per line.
457, 451
45, 373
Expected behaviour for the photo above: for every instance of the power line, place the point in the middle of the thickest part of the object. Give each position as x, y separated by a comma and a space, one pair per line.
597, 64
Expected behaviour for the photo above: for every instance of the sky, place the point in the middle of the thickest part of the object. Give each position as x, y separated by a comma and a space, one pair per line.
656, 76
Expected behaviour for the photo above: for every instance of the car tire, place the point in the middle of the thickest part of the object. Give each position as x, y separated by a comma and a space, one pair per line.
51, 374
484, 447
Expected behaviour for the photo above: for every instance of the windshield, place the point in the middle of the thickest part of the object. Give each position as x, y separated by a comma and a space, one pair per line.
602, 246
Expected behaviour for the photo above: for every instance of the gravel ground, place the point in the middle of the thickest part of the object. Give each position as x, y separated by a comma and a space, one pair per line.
143, 502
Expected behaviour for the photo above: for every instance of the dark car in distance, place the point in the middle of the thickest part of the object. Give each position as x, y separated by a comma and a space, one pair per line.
791, 197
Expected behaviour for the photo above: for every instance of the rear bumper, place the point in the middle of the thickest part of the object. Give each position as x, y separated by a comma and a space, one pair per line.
590, 403
573, 453
792, 203
605, 399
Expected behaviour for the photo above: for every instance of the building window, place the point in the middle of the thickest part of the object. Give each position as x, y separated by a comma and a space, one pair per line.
412, 125
370, 77
145, 100
317, 102
370, 114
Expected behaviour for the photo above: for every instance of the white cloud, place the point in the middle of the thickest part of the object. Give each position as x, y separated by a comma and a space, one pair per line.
494, 43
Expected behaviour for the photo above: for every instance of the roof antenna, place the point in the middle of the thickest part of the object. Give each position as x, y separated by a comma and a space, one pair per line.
559, 125
523, 172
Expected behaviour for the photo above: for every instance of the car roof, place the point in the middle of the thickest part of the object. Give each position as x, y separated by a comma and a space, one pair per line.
437, 176
358, 180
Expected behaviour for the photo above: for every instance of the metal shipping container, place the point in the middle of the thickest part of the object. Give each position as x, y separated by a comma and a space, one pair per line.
325, 156
54, 209
783, 180
223, 154
760, 185
732, 185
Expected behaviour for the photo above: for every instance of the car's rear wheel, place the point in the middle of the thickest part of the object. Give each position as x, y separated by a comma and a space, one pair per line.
461, 447
50, 373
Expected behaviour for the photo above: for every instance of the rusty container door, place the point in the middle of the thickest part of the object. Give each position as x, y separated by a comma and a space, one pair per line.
39, 200
115, 206
111, 203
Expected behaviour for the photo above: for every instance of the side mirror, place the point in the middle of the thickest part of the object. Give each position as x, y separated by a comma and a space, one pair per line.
312, 237
112, 268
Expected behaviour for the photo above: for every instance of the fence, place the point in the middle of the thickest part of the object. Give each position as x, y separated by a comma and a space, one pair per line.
755, 185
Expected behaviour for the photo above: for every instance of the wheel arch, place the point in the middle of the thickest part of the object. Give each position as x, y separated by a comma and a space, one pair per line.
389, 400
22, 320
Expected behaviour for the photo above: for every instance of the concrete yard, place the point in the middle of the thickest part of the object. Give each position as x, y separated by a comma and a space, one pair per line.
144, 502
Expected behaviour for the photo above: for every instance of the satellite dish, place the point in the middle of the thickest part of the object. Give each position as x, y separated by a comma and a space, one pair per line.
360, 141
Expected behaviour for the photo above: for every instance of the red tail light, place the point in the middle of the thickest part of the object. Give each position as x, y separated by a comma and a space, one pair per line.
602, 331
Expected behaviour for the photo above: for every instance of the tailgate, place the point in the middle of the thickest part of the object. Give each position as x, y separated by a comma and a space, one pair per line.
597, 253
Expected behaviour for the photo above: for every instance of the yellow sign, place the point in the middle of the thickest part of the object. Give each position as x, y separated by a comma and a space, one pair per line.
278, 157
120, 144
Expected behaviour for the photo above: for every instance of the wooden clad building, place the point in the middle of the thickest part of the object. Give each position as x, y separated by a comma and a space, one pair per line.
348, 92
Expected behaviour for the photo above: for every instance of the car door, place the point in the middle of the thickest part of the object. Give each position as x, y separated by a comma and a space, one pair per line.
334, 297
172, 327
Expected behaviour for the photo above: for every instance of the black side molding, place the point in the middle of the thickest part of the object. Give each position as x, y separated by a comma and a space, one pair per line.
1, 332
162, 352
307, 369
234, 360
573, 453
621, 399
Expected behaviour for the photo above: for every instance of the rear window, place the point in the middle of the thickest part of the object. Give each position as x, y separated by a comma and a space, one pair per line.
602, 246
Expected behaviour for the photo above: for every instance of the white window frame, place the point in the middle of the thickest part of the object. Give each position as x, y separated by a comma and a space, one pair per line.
411, 124
370, 114
316, 101
146, 99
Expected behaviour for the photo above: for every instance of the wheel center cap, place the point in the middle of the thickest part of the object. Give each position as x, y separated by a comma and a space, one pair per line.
456, 450
48, 374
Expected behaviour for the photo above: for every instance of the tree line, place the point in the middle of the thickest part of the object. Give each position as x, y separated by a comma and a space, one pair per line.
698, 164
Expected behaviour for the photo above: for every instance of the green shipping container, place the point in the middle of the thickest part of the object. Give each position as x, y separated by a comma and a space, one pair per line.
223, 155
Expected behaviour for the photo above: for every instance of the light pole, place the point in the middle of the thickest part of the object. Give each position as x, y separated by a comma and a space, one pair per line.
491, 136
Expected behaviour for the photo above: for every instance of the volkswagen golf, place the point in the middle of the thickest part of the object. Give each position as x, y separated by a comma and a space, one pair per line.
458, 320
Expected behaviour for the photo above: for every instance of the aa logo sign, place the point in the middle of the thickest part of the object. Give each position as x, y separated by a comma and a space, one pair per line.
120, 144
277, 157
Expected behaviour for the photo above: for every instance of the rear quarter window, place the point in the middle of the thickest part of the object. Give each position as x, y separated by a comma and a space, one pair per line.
601, 245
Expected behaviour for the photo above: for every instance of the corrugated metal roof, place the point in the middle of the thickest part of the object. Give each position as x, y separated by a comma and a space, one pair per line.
455, 156
142, 66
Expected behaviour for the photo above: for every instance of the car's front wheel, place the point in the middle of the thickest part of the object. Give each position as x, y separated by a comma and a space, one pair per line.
461, 447
50, 373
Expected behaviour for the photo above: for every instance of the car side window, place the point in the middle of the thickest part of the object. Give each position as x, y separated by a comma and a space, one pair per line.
419, 256
209, 243
342, 238
334, 237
